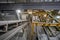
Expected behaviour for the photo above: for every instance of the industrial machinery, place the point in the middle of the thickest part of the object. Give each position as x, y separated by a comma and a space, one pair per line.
29, 19
38, 24
12, 27
45, 26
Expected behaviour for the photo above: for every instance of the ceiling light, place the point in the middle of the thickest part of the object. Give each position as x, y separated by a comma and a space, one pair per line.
18, 11
57, 16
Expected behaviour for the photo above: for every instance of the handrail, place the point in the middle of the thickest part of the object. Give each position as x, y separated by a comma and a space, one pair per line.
11, 33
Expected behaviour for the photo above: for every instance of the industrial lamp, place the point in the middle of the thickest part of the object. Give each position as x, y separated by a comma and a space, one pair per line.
18, 11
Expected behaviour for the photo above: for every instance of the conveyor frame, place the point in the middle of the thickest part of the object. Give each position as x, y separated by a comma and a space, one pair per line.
11, 33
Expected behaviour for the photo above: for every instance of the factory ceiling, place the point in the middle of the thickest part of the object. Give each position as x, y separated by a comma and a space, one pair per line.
14, 6
27, 1
28, 4
14, 1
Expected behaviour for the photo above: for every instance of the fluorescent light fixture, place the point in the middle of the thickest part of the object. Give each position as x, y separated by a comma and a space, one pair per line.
18, 11
57, 16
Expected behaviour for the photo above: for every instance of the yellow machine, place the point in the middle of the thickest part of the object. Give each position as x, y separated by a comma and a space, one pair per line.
43, 16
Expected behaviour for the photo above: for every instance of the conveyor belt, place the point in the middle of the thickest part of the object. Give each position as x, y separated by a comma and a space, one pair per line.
40, 30
53, 30
47, 31
8, 25
9, 29
11, 33
41, 33
57, 28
